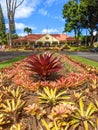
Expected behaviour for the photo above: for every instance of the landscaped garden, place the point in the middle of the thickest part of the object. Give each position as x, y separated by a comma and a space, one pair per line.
49, 91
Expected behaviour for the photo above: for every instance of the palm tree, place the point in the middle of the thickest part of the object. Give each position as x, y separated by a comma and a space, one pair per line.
28, 30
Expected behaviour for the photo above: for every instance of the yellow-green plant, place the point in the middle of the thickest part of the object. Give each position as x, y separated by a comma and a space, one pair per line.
3, 79
17, 93
94, 82
12, 108
48, 126
17, 127
83, 117
10, 92
6, 90
76, 95
52, 96
96, 128
3, 121
96, 105
1, 95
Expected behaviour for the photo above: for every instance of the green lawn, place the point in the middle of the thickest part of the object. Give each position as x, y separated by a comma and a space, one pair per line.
80, 48
85, 61
9, 62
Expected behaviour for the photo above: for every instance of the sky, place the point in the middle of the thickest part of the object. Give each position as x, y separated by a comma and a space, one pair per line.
42, 16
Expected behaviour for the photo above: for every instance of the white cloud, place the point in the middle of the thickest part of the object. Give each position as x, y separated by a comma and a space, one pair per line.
50, 2
51, 30
94, 33
59, 18
22, 33
43, 12
21, 26
24, 10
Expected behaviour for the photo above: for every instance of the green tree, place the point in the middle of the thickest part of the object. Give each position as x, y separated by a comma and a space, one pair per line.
2, 27
90, 10
71, 14
28, 30
15, 36
80, 15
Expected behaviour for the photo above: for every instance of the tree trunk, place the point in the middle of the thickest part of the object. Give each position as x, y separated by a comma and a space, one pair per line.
92, 39
86, 39
75, 32
11, 8
10, 35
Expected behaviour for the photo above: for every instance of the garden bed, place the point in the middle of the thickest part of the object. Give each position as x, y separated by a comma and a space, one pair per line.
62, 97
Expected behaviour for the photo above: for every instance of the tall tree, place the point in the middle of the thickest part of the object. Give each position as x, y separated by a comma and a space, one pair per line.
90, 9
28, 30
12, 5
81, 14
71, 14
2, 27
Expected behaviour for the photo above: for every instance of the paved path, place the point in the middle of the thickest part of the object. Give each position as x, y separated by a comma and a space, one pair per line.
88, 55
9, 55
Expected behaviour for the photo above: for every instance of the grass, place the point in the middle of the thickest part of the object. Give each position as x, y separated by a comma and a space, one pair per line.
85, 61
80, 48
9, 62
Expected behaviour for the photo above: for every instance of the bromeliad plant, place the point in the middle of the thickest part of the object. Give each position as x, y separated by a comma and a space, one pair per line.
93, 81
12, 108
3, 120
35, 110
52, 96
44, 65
83, 117
60, 114
17, 93
17, 127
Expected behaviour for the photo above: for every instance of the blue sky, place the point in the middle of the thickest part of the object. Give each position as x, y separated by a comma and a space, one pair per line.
41, 15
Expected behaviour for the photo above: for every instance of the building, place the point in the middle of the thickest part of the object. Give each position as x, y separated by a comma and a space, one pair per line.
43, 40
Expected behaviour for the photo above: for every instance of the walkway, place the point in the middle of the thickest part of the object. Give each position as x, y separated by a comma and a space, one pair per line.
88, 55
9, 55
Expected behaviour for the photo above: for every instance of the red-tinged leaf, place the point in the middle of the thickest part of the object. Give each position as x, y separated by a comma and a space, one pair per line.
44, 64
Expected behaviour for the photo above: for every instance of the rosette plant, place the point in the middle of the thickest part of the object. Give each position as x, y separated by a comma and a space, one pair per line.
44, 65
83, 117
52, 97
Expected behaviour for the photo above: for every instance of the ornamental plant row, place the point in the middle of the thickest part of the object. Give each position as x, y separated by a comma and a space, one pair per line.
45, 70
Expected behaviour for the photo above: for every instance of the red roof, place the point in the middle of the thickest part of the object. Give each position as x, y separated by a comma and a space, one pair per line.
60, 37
71, 39
34, 37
